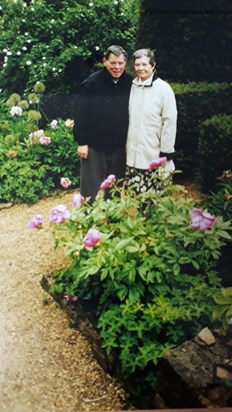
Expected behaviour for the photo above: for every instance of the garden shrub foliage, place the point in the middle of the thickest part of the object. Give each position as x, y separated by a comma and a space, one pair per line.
151, 277
195, 148
214, 150
219, 203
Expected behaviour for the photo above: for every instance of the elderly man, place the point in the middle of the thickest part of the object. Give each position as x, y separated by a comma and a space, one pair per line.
101, 122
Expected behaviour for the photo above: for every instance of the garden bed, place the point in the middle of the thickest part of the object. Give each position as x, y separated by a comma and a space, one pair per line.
189, 376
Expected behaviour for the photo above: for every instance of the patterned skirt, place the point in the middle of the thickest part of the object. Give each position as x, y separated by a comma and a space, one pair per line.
142, 180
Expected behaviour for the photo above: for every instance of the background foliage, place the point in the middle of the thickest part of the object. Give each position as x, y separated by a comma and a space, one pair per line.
58, 43
197, 102
191, 38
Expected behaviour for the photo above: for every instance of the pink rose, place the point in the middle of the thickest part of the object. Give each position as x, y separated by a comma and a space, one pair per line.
65, 182
78, 199
45, 140
201, 220
58, 214
92, 238
108, 182
36, 222
157, 163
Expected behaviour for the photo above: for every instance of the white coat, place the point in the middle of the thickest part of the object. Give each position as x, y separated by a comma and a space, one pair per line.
152, 122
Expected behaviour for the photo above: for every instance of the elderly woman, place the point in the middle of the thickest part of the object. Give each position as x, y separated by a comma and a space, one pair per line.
152, 123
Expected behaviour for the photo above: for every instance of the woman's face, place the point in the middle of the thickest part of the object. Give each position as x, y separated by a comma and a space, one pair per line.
143, 68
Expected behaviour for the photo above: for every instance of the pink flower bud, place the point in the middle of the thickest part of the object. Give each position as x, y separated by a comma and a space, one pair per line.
92, 238
78, 199
108, 182
201, 220
157, 163
36, 222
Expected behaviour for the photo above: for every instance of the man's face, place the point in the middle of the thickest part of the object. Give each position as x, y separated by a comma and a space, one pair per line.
115, 65
143, 68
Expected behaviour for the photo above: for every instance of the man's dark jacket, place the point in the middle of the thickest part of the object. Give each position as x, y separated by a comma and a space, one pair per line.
101, 112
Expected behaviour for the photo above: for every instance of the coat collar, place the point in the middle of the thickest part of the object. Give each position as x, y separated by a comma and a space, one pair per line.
148, 82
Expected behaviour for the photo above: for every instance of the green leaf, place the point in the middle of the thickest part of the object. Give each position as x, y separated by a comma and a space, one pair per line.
123, 243
176, 269
132, 249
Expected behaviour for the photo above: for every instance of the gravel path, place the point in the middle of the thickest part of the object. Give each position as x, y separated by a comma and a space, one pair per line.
44, 365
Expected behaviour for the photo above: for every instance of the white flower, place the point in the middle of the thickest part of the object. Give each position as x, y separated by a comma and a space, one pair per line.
69, 123
9, 53
97, 47
28, 62
53, 124
90, 4
24, 48
5, 50
26, 34
16, 111
18, 53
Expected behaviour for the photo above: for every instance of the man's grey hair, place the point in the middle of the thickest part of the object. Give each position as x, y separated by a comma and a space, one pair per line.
116, 50
139, 54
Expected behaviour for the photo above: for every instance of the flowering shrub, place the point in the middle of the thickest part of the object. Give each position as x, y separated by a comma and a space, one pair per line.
41, 159
149, 273
58, 42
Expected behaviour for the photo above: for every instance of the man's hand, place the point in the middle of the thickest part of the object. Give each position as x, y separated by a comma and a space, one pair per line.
83, 151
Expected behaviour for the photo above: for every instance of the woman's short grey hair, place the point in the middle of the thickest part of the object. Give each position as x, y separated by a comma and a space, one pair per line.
139, 54
116, 50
